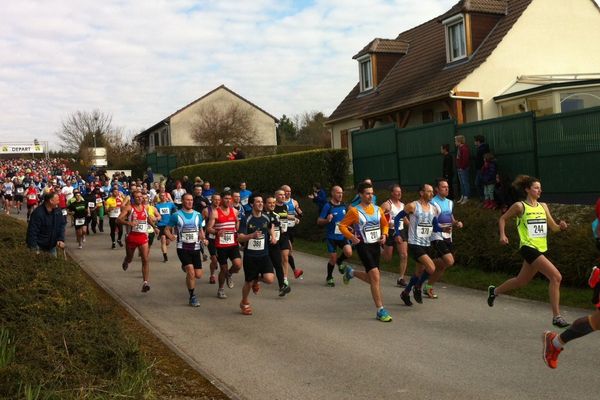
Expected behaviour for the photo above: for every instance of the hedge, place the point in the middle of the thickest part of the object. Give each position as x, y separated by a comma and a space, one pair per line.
266, 174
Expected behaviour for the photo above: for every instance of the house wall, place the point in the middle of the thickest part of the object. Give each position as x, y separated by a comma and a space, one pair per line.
550, 37
181, 123
337, 128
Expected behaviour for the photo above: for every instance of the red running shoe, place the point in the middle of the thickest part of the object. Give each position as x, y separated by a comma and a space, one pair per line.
550, 351
594, 277
298, 273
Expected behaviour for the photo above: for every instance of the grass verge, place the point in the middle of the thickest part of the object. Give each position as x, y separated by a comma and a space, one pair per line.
62, 337
471, 278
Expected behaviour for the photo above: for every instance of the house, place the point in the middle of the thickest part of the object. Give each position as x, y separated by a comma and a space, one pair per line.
479, 60
176, 129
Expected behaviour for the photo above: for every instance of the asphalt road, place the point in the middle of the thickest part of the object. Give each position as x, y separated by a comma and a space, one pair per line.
325, 343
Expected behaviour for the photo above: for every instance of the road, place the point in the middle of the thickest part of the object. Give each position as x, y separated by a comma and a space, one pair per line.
325, 343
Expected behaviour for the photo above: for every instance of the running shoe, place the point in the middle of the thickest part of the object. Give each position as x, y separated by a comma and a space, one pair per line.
298, 272
428, 291
348, 274
406, 298
145, 287
212, 280
417, 295
594, 277
165, 257
204, 257
221, 294
285, 289
255, 287
383, 315
330, 282
551, 352
560, 322
246, 309
194, 301
114, 246
229, 281
125, 265
80, 247
342, 267
491, 295
401, 282
120, 243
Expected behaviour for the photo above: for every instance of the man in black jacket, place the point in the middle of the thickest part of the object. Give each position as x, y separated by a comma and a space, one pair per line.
482, 149
448, 170
46, 229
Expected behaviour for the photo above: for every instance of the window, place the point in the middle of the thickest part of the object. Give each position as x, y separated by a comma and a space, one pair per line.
366, 73
571, 101
456, 44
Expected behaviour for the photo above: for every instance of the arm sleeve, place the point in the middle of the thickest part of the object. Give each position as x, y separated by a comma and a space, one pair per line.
350, 219
386, 226
397, 220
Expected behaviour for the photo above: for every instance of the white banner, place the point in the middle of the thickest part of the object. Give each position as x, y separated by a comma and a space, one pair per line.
21, 148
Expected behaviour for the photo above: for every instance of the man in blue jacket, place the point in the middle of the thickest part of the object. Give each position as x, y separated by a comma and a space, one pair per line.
46, 229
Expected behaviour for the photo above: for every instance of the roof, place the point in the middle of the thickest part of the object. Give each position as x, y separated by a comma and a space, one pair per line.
423, 74
166, 120
531, 86
378, 45
499, 7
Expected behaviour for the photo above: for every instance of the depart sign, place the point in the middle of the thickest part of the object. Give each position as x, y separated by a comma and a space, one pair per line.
21, 148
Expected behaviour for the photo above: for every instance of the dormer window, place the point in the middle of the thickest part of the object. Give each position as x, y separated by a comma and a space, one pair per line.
456, 43
365, 71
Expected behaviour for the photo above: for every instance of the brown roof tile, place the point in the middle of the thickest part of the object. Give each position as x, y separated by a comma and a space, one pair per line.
384, 46
422, 74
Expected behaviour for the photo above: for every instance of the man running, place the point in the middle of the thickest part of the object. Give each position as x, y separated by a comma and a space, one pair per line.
8, 189
224, 225
244, 197
274, 247
187, 223
166, 209
441, 242
19, 194
32, 196
331, 215
135, 217
178, 193
391, 208
294, 215
80, 211
257, 233
212, 250
371, 231
113, 207
281, 209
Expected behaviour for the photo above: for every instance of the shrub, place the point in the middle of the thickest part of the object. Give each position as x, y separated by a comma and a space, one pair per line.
266, 174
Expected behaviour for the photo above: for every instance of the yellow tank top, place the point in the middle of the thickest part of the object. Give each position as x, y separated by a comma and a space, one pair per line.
533, 227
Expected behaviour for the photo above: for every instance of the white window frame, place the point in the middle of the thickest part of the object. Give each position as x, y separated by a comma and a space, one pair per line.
448, 24
366, 59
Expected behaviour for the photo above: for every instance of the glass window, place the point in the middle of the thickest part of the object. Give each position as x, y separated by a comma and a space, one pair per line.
366, 75
542, 105
512, 107
571, 101
457, 43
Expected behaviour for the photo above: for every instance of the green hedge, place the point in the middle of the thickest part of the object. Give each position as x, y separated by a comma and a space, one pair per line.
266, 174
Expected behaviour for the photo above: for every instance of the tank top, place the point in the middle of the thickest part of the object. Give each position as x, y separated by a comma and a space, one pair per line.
444, 216
394, 210
282, 212
421, 225
225, 224
188, 229
369, 228
533, 227
150, 214
140, 218
291, 211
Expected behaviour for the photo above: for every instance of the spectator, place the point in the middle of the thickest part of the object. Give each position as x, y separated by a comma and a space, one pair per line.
448, 170
46, 229
238, 153
504, 193
488, 180
150, 174
482, 149
462, 168
318, 196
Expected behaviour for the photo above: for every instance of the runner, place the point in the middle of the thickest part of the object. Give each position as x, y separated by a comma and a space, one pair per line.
92, 218
207, 191
135, 216
281, 209
237, 204
187, 223
19, 194
422, 223
294, 215
371, 232
554, 343
166, 209
441, 242
274, 248
32, 195
212, 250
80, 211
245, 196
257, 232
113, 207
332, 213
8, 189
178, 193
152, 213
533, 219
224, 225
391, 208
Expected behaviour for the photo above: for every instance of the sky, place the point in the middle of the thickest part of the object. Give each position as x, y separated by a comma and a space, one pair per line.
140, 61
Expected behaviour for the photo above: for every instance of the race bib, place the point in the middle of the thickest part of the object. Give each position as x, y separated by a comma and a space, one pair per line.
140, 227
64, 212
257, 244
164, 211
245, 201
99, 201
91, 204
79, 221
211, 235
114, 213
20, 190
8, 192
401, 226
337, 229
284, 225
537, 228
32, 197
227, 238
424, 231
291, 223
277, 234
372, 234
189, 237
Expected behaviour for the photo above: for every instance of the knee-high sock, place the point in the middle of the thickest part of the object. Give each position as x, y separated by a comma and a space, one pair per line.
579, 328
330, 268
341, 259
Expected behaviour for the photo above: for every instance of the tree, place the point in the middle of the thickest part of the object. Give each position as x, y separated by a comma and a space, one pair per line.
219, 127
312, 130
79, 129
286, 130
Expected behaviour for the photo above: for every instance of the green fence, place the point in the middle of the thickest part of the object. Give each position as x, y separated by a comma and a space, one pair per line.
162, 164
560, 149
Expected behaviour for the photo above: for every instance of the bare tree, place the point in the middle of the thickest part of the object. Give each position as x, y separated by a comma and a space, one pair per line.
218, 127
82, 127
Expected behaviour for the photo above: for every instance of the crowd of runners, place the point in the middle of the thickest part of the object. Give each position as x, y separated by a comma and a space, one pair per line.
238, 229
